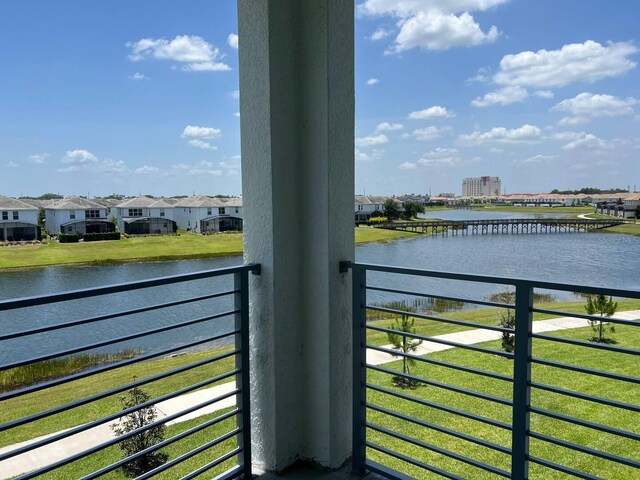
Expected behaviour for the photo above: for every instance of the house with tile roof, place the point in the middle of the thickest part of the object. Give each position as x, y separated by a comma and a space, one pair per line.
145, 216
204, 214
77, 215
18, 221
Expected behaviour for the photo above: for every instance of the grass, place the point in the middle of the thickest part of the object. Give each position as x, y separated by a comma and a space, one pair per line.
576, 210
612, 362
146, 249
43, 400
626, 229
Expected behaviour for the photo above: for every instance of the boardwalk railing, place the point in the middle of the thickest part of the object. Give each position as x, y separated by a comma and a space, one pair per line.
77, 408
560, 403
504, 226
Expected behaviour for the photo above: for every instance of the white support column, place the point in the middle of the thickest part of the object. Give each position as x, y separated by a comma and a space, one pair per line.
297, 124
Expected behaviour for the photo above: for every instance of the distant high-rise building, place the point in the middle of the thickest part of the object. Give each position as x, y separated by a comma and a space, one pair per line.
481, 187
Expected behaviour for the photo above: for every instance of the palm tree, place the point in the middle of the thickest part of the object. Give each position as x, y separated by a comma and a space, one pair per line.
404, 344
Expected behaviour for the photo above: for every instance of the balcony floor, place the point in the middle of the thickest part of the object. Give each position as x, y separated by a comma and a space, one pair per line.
304, 471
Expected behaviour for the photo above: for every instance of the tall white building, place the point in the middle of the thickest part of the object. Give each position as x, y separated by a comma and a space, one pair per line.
481, 187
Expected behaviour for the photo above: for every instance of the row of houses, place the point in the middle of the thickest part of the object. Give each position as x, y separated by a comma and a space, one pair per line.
542, 199
134, 216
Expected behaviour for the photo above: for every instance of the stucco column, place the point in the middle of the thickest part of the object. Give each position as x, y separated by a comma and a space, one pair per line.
297, 125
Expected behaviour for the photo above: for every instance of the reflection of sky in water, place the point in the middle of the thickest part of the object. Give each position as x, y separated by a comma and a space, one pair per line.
578, 258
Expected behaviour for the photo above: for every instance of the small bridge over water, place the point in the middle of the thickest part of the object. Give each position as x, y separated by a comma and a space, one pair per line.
503, 226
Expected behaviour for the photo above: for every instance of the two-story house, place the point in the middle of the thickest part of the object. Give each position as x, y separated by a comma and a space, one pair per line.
204, 214
18, 220
77, 215
145, 216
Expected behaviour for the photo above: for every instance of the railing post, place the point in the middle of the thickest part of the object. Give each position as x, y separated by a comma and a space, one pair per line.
359, 280
521, 382
243, 403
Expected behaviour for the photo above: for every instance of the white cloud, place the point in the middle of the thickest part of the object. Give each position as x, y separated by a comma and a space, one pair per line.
195, 53
11, 164
201, 169
503, 96
372, 81
379, 34
235, 94
578, 140
544, 94
192, 131
577, 62
232, 40
146, 170
440, 157
388, 127
586, 105
523, 135
236, 114
79, 157
202, 144
371, 140
434, 24
138, 76
39, 157
428, 133
431, 112
537, 159
361, 156
407, 166
113, 166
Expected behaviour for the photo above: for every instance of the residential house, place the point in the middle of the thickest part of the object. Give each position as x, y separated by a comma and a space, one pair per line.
204, 214
367, 206
145, 216
77, 215
18, 220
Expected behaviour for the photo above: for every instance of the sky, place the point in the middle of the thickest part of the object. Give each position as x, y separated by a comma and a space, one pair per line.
142, 97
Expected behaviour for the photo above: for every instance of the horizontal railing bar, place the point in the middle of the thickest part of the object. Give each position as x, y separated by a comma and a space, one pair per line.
443, 342
111, 341
595, 318
115, 440
583, 396
441, 451
111, 366
441, 297
425, 316
438, 428
196, 451
588, 371
86, 426
379, 469
424, 359
233, 472
585, 423
444, 386
413, 461
210, 465
122, 388
581, 343
444, 408
160, 445
583, 449
562, 468
121, 287
490, 279
123, 313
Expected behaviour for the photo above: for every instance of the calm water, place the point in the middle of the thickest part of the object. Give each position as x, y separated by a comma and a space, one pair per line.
577, 258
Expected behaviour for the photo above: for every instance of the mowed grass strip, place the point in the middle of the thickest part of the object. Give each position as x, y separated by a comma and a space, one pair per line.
32, 403
626, 336
148, 249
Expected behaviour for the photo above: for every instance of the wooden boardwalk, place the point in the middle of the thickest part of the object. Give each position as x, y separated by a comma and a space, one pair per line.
503, 226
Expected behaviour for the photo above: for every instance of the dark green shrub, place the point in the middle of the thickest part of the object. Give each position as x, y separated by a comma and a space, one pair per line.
68, 237
94, 237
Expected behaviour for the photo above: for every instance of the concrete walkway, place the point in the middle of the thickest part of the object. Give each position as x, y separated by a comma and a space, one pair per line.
56, 451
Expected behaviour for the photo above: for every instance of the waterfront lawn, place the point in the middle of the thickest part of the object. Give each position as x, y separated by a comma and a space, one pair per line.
43, 400
148, 249
576, 210
628, 337
482, 316
626, 229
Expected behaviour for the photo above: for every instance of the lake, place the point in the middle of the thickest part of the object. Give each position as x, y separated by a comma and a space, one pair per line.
577, 258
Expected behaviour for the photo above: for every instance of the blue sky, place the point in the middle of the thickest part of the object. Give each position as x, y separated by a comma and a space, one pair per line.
141, 97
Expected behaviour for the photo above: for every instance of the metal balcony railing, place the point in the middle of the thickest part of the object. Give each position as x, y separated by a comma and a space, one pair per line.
560, 405
215, 318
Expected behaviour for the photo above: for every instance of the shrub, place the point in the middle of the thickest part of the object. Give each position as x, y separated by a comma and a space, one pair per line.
94, 237
68, 237
377, 220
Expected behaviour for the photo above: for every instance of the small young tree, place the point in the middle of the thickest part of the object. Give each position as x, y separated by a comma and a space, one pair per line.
600, 305
506, 319
133, 421
404, 344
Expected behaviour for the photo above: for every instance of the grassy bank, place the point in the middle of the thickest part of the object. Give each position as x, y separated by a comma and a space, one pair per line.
576, 210
146, 249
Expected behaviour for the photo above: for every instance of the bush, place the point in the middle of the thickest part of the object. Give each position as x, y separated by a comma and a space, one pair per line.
94, 237
377, 220
68, 237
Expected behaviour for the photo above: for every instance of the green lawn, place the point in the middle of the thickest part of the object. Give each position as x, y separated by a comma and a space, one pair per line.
591, 385
576, 210
147, 249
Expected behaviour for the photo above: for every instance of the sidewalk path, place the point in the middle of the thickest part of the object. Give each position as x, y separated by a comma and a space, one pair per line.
56, 451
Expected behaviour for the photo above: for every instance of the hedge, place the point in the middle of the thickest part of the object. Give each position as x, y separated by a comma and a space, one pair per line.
68, 237
94, 237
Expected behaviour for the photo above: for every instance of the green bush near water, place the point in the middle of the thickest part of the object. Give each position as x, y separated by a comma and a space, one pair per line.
68, 238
